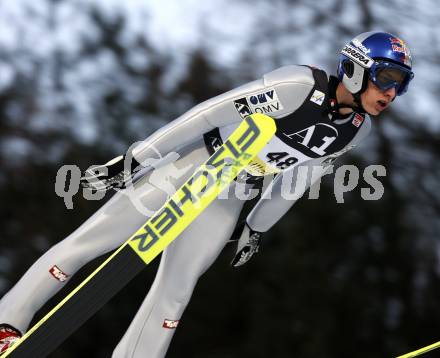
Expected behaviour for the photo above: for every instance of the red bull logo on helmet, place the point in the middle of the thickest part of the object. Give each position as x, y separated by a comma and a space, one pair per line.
399, 45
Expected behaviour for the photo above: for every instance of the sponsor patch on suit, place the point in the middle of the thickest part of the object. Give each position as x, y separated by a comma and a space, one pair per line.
170, 323
266, 102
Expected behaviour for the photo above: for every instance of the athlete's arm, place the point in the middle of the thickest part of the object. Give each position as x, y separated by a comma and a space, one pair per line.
281, 194
292, 85
276, 200
216, 112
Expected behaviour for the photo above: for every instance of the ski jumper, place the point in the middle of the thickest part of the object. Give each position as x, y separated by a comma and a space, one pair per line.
299, 98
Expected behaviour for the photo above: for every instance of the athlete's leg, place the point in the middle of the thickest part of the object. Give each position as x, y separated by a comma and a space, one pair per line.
109, 227
182, 263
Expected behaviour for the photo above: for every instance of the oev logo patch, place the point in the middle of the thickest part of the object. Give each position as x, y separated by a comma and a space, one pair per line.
265, 102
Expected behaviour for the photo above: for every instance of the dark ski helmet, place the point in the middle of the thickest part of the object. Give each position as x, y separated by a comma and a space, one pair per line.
379, 56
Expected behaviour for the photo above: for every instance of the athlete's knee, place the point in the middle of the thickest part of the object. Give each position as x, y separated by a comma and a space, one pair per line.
90, 241
73, 252
61, 261
183, 297
179, 291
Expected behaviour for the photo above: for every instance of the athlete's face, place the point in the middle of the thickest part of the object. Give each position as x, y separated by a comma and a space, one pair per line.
375, 100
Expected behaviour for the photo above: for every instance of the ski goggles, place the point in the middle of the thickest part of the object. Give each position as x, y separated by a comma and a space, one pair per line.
386, 75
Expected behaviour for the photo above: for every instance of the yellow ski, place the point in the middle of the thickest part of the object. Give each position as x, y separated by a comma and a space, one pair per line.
149, 241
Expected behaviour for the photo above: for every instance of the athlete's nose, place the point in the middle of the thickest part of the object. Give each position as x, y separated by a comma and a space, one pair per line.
391, 92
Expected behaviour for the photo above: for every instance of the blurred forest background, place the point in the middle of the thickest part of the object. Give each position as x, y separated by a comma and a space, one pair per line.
82, 80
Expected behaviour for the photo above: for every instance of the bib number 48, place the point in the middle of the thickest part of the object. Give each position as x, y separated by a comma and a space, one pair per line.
281, 159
